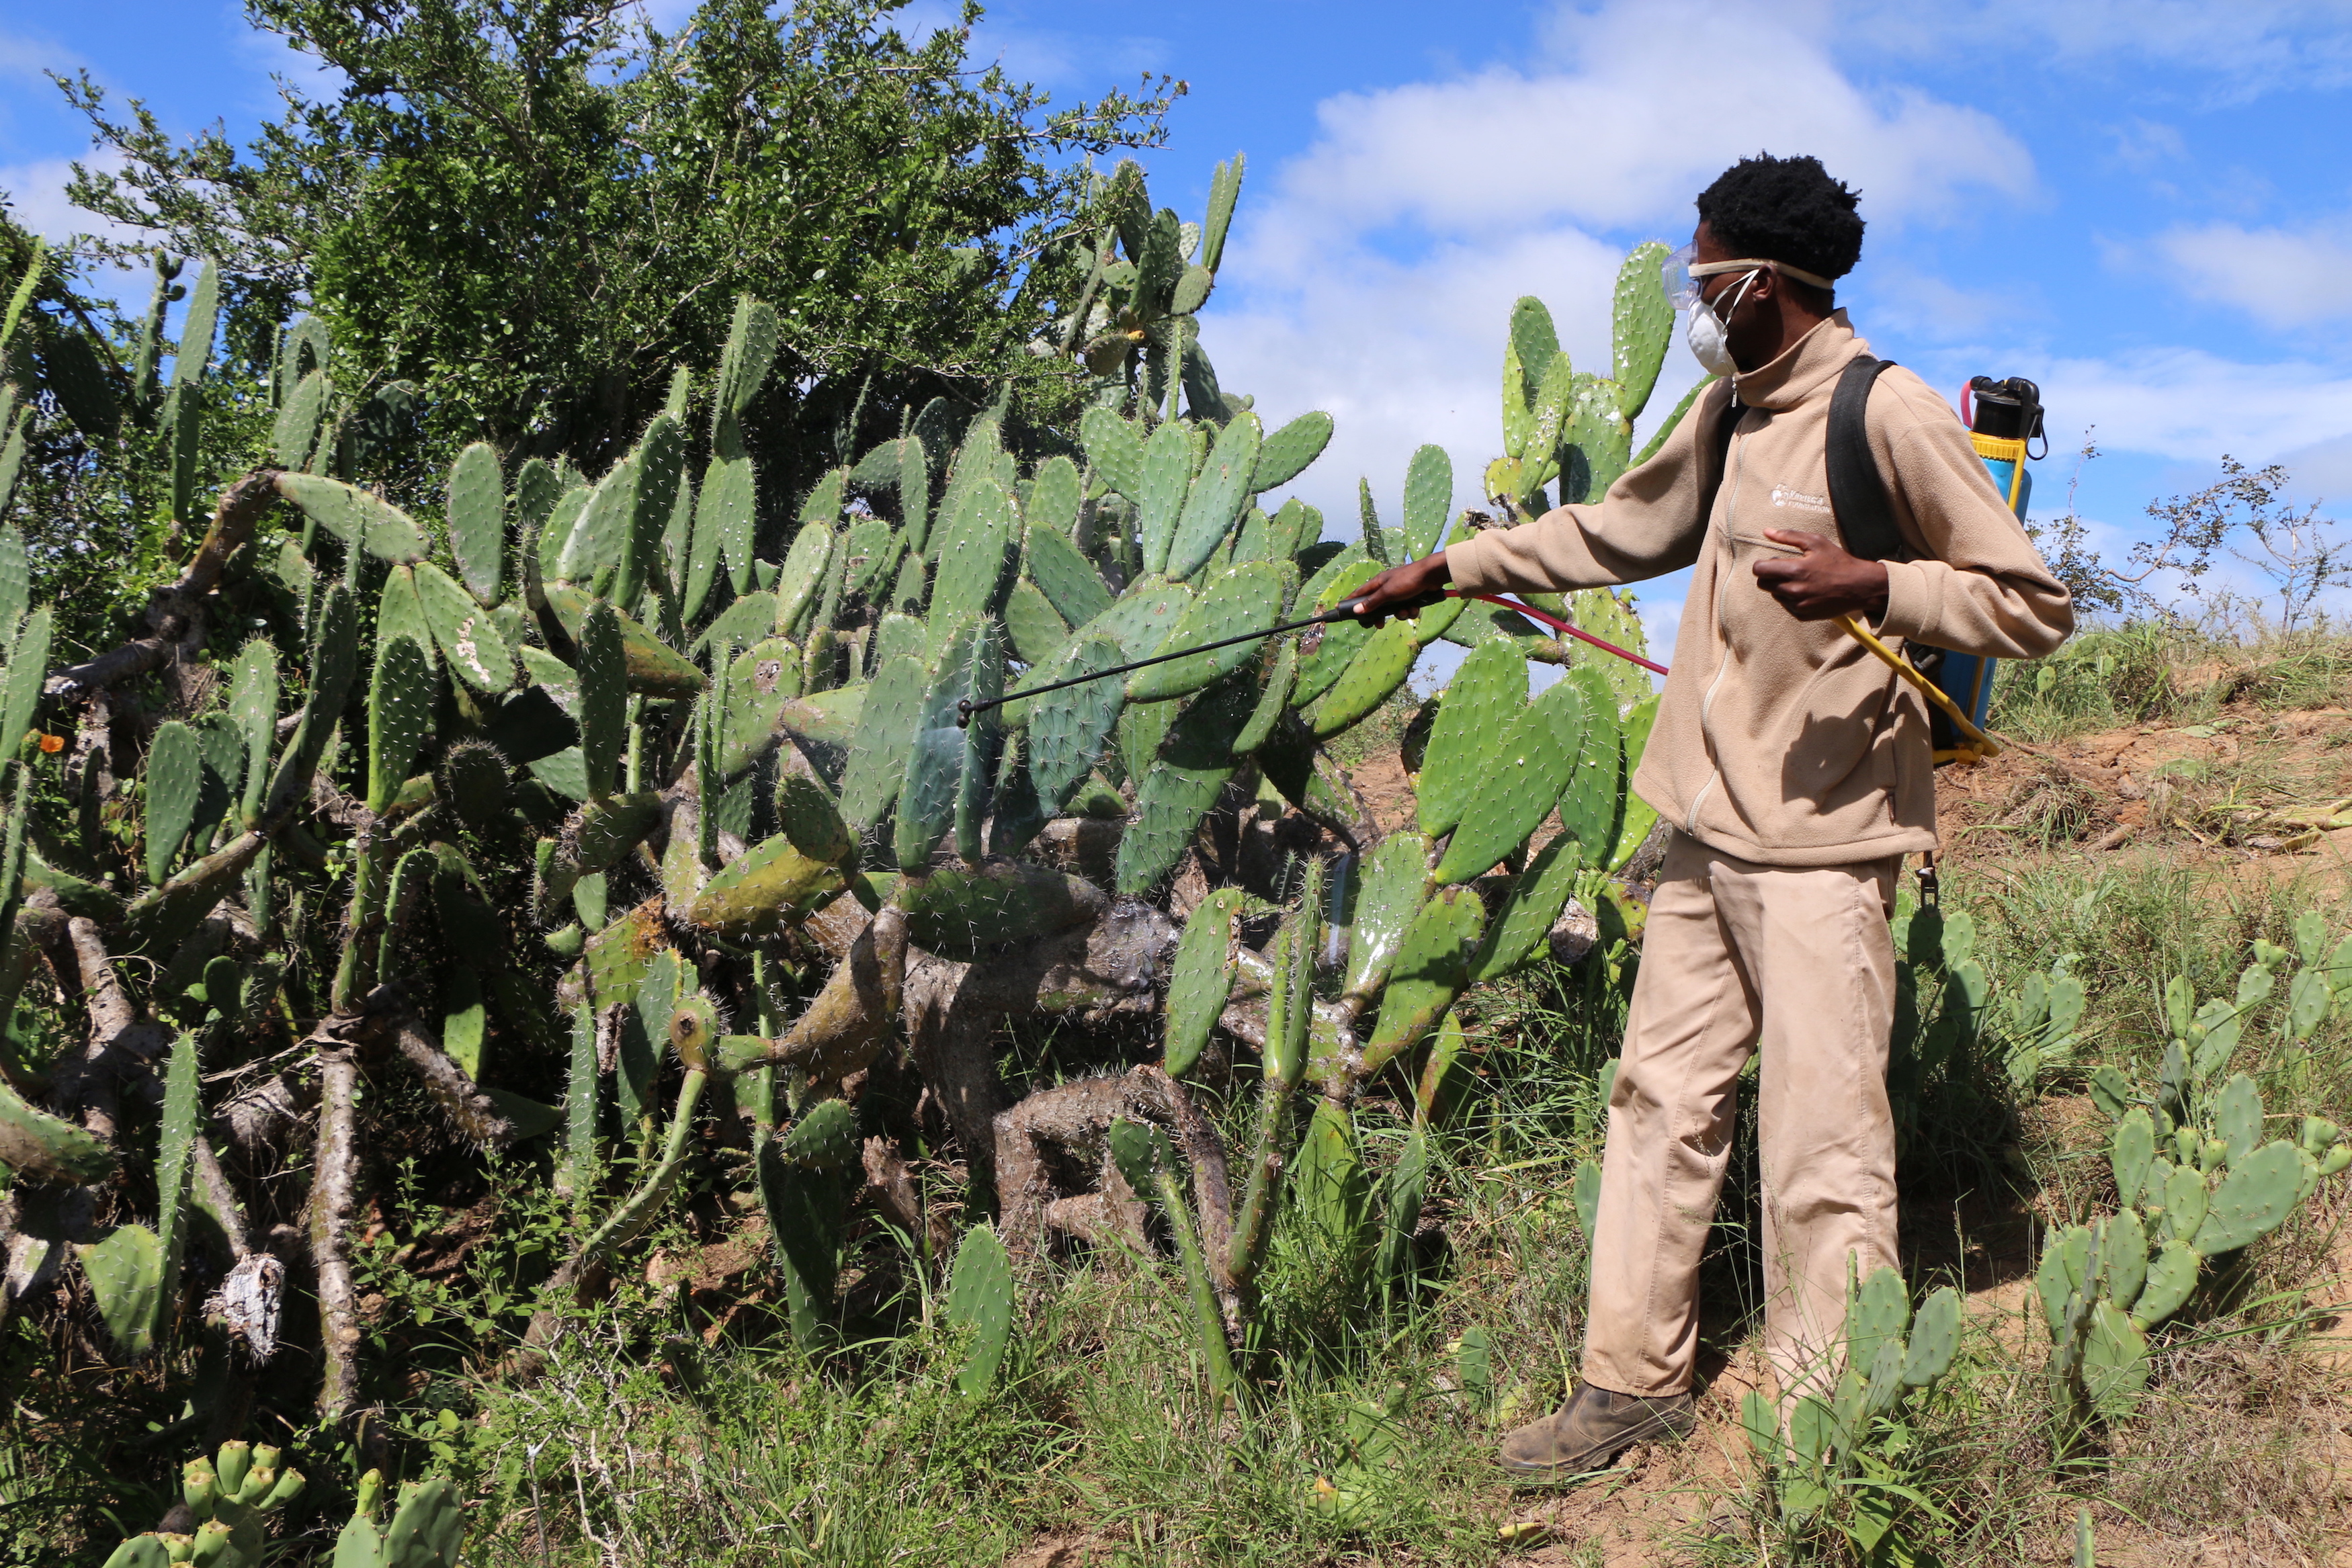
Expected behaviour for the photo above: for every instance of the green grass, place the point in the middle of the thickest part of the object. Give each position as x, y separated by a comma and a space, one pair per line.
655, 1436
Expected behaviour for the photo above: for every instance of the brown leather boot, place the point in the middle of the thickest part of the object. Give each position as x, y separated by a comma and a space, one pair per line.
1593, 1428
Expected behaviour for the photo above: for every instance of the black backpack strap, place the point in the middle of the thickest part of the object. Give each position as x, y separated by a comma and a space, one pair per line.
1865, 518
1720, 439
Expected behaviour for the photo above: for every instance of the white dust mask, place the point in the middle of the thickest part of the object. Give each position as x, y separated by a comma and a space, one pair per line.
1709, 341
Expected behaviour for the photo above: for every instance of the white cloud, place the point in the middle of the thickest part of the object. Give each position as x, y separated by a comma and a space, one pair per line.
2244, 48
1648, 103
1375, 279
2191, 406
2279, 277
37, 198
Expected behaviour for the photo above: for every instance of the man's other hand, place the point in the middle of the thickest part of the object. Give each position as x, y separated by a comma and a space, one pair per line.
1405, 589
1823, 581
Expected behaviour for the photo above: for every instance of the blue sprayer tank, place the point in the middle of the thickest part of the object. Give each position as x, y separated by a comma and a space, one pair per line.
2003, 418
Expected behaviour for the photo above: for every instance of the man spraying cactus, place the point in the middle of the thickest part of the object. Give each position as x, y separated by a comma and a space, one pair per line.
1795, 770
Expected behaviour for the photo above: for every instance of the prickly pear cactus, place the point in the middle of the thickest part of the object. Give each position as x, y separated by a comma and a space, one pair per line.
2196, 1183
597, 808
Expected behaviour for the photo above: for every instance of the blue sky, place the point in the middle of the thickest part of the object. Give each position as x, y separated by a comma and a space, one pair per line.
2146, 207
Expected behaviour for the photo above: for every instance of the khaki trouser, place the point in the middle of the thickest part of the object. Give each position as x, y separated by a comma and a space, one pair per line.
1740, 956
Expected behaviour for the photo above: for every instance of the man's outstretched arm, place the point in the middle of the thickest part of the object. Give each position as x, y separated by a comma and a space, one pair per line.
1649, 524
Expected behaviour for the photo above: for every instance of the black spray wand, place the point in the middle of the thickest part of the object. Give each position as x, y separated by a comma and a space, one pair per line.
1339, 611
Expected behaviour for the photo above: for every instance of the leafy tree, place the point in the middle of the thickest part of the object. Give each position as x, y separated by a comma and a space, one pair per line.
537, 209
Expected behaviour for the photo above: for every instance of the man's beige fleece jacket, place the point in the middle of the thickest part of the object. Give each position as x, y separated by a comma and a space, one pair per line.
1780, 740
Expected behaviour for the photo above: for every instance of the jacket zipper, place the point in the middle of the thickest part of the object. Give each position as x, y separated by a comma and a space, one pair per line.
1707, 702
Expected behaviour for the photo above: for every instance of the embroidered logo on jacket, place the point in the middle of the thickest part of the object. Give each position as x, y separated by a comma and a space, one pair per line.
1782, 495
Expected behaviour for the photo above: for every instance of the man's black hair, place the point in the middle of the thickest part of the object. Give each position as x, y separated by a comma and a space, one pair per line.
1785, 209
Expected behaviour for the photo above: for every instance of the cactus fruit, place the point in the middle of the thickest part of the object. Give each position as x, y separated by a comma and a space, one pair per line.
1525, 767
979, 1298
1201, 978
1238, 599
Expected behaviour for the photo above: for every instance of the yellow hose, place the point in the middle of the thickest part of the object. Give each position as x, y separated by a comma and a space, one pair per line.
1985, 745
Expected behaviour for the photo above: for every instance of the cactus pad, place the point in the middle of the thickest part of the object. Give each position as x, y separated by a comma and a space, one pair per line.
2132, 1151
1537, 894
1479, 706
2171, 1276
467, 633
1116, 449
1641, 322
928, 798
960, 912
1285, 455
772, 886
1201, 978
1377, 670
2238, 1117
1524, 776
1431, 966
1166, 477
886, 723
1428, 498
1142, 619
344, 510
654, 668
2115, 1361
825, 1138
979, 1298
175, 778
1878, 1313
2123, 1258
36, 1143
1068, 729
1192, 768
125, 1270
1594, 800
1036, 629
1241, 599
1387, 899
1067, 577
1215, 502
1935, 1339
2252, 1200
478, 529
